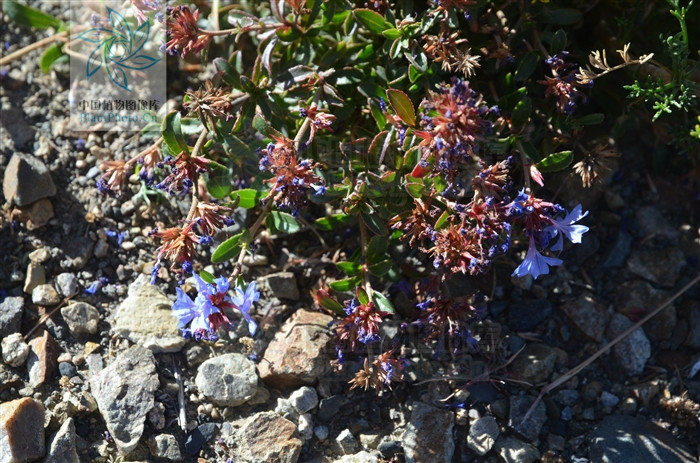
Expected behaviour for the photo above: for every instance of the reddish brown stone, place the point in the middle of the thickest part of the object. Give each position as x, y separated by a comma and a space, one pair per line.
300, 352
21, 431
43, 358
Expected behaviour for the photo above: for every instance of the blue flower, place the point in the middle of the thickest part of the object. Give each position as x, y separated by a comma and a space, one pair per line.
244, 301
203, 316
535, 264
566, 226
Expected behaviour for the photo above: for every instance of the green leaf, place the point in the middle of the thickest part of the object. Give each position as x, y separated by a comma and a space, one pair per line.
591, 119
376, 249
206, 276
350, 268
281, 222
555, 161
49, 56
362, 296
415, 189
249, 198
228, 72
382, 302
380, 268
442, 220
228, 249
402, 106
558, 42
172, 134
374, 223
330, 303
392, 34
345, 284
218, 180
526, 67
521, 113
26, 16
334, 221
371, 20
531, 151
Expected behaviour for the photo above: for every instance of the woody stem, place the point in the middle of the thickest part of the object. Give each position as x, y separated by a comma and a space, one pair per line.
195, 198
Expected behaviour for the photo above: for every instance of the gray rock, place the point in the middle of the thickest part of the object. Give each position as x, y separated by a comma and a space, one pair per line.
618, 253
11, 310
535, 363
45, 295
693, 338
633, 351
304, 399
660, 266
361, 457
145, 317
346, 442
282, 285
627, 439
35, 276
589, 316
651, 222
609, 400
14, 350
200, 436
124, 391
531, 427
81, 317
67, 284
21, 431
483, 434
329, 408
27, 180
227, 380
321, 432
428, 436
61, 448
164, 446
526, 315
306, 426
266, 437
284, 408
101, 249
513, 450
637, 298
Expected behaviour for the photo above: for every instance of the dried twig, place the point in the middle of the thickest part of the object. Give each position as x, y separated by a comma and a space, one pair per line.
574, 371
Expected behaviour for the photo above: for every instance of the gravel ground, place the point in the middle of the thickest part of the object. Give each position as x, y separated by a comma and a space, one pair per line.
107, 370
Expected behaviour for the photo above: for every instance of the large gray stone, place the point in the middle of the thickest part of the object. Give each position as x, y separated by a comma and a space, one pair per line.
165, 446
428, 436
124, 392
589, 316
633, 351
530, 428
227, 380
11, 310
27, 180
627, 439
14, 350
61, 448
145, 317
535, 363
483, 434
514, 450
660, 266
21, 431
81, 317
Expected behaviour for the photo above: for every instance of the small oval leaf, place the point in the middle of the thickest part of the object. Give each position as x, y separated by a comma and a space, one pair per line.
402, 106
555, 161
